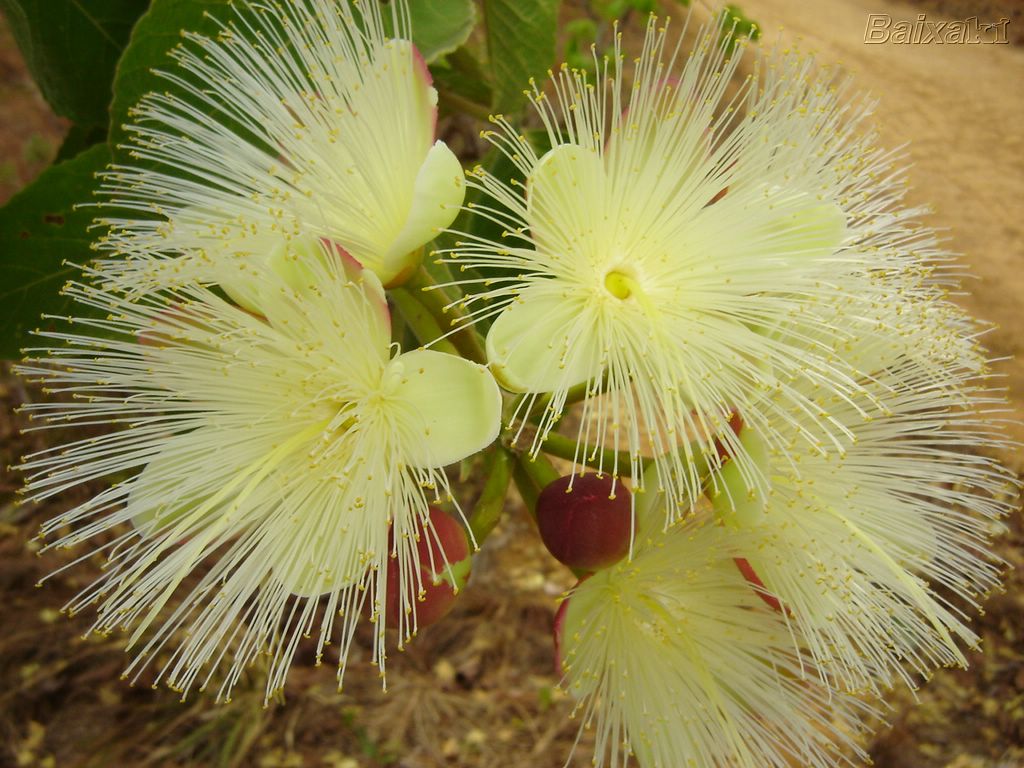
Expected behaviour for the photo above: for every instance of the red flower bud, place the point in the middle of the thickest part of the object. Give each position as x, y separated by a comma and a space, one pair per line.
584, 527
439, 591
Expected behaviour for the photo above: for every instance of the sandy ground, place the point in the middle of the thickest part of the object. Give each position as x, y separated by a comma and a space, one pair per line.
961, 109
478, 689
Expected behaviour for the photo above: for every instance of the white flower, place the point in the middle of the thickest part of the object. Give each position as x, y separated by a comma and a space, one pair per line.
296, 119
660, 244
877, 549
677, 661
271, 456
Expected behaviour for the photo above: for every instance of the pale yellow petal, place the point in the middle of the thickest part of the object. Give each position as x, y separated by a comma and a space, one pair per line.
562, 178
542, 343
437, 196
453, 406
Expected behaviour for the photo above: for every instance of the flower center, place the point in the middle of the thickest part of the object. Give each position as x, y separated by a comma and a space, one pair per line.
620, 285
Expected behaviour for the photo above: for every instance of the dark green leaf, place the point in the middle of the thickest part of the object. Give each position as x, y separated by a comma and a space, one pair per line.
734, 26
461, 76
42, 237
71, 48
80, 138
580, 37
496, 163
610, 10
647, 6
521, 39
155, 35
441, 26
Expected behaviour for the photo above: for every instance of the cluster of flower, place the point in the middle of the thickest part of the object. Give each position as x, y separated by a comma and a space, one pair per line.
757, 327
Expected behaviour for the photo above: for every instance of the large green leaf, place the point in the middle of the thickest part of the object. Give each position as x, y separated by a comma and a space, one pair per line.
42, 237
521, 39
497, 164
460, 75
71, 48
441, 26
155, 35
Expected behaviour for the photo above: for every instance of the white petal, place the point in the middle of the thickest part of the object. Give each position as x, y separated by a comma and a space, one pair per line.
556, 189
157, 499
805, 228
308, 579
649, 510
406, 184
543, 342
437, 196
455, 406
174, 488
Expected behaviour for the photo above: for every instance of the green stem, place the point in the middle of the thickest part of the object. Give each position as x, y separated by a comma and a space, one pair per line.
565, 448
576, 394
399, 326
436, 301
533, 475
462, 104
487, 511
526, 487
420, 320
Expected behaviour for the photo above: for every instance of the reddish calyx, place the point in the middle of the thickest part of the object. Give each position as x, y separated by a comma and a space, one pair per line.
558, 627
446, 544
736, 425
582, 523
718, 196
755, 581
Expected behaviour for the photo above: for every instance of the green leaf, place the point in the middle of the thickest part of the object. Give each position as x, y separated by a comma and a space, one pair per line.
610, 10
155, 35
71, 48
581, 35
78, 139
461, 76
42, 237
521, 39
647, 6
735, 25
441, 26
501, 167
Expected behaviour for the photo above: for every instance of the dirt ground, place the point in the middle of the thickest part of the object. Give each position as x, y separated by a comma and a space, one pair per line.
478, 689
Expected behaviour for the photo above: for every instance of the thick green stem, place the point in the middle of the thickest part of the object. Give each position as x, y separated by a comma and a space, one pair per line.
533, 475
420, 320
462, 104
399, 326
437, 303
576, 394
487, 511
566, 448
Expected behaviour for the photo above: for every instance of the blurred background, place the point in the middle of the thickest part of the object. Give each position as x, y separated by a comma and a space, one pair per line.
479, 689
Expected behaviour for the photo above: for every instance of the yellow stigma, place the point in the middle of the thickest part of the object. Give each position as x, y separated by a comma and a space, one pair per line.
619, 285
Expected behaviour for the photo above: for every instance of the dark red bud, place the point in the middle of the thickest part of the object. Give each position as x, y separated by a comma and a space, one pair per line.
438, 597
755, 581
584, 527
